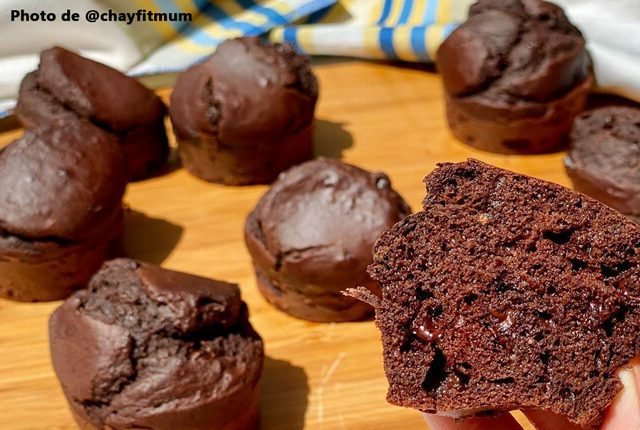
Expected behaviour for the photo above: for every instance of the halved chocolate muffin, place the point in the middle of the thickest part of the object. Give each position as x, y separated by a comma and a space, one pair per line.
507, 292
604, 159
146, 347
515, 74
61, 188
245, 114
66, 85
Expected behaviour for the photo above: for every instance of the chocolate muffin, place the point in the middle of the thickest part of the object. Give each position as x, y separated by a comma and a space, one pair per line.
604, 159
61, 188
311, 236
145, 347
66, 85
507, 292
245, 114
515, 75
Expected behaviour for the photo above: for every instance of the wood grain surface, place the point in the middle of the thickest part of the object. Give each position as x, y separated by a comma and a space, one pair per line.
317, 376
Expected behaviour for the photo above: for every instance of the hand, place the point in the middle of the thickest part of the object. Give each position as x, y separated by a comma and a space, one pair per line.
622, 414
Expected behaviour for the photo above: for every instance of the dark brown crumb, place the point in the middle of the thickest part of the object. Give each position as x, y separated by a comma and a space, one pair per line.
507, 292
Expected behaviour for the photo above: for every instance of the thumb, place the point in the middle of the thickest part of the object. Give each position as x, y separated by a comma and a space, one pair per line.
624, 412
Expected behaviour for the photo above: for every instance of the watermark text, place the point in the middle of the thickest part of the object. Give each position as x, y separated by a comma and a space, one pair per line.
141, 15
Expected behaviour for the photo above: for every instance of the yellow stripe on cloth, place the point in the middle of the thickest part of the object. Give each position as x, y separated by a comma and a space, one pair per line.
402, 43
338, 11
230, 7
376, 12
280, 6
394, 16
214, 29
239, 13
371, 40
208, 26
305, 38
433, 39
187, 45
443, 13
417, 14
277, 34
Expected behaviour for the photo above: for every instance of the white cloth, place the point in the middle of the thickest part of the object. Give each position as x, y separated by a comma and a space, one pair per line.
612, 31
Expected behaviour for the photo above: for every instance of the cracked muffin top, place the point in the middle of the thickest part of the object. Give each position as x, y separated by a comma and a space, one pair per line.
63, 180
318, 222
153, 348
513, 52
67, 85
246, 90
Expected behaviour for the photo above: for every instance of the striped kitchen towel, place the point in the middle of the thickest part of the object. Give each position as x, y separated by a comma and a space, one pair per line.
412, 30
409, 30
218, 20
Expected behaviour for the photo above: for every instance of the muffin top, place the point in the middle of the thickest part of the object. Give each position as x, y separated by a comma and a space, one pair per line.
513, 52
604, 158
69, 85
245, 90
149, 347
61, 181
318, 222
606, 141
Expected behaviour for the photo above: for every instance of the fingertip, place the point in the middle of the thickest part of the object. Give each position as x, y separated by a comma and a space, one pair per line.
542, 420
502, 422
624, 412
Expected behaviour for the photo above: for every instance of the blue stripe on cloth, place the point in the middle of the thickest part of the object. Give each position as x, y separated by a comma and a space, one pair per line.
201, 4
187, 28
319, 14
418, 42
228, 22
200, 37
385, 11
446, 31
291, 35
407, 6
386, 42
273, 16
430, 12
308, 8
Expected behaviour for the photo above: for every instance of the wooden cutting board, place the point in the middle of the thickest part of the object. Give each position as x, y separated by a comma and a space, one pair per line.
316, 376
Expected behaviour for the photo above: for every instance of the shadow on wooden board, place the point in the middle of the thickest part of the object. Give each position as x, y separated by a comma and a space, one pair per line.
149, 239
284, 395
330, 139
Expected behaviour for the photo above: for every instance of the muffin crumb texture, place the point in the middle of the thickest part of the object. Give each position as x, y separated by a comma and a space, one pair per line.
507, 292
